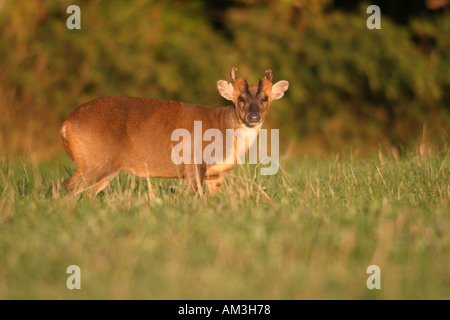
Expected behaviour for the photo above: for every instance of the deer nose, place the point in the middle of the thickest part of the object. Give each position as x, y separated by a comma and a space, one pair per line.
253, 118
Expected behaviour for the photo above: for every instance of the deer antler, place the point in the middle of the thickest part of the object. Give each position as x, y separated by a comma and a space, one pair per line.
233, 76
269, 74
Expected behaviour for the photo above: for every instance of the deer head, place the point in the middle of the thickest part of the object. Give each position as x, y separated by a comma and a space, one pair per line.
252, 101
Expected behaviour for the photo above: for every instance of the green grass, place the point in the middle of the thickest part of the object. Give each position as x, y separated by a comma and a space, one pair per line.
309, 232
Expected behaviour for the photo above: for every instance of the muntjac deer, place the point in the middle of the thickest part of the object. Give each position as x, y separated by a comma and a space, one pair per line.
134, 135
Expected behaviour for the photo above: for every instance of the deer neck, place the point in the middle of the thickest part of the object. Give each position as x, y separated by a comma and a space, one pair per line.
227, 119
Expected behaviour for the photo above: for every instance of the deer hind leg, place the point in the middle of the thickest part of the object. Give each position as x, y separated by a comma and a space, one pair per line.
74, 182
195, 174
99, 186
214, 183
79, 182
87, 177
88, 181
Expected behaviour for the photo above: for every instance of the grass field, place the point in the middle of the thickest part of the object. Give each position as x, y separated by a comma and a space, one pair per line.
311, 231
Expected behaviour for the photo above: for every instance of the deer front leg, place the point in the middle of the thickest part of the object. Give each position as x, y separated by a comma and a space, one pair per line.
214, 183
195, 174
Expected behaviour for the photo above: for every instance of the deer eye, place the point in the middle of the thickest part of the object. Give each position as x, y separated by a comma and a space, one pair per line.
241, 100
264, 99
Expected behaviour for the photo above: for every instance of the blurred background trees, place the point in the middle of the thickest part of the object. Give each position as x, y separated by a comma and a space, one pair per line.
350, 87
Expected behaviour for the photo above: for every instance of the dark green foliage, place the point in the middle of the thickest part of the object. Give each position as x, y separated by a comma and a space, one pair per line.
349, 86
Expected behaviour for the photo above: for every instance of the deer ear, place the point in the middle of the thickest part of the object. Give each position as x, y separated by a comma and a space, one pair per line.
279, 88
226, 89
